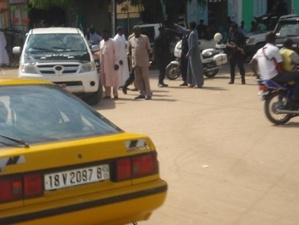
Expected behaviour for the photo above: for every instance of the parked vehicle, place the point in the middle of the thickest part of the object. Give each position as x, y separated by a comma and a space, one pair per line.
287, 26
63, 56
276, 97
212, 59
62, 162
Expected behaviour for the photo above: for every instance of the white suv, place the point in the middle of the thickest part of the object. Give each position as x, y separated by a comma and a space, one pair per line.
287, 27
63, 56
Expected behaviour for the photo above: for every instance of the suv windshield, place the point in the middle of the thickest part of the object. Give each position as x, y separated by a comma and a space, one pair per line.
36, 114
55, 43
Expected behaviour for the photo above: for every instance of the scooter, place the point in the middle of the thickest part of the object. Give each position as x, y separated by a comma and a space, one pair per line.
277, 97
212, 59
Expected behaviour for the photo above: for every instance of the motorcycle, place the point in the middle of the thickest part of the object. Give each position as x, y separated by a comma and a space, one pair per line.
277, 99
212, 59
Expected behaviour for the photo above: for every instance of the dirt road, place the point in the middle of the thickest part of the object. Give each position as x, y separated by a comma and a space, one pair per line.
223, 161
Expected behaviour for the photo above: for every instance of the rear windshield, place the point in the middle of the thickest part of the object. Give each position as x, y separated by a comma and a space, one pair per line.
46, 113
37, 43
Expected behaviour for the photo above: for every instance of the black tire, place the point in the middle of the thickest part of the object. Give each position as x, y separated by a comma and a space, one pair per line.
273, 102
212, 73
95, 97
173, 71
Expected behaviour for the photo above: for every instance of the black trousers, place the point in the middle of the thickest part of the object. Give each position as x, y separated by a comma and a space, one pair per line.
130, 80
162, 61
289, 76
184, 67
237, 59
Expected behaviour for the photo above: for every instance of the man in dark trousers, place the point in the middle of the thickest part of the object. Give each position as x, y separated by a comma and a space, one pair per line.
131, 78
184, 59
235, 44
161, 54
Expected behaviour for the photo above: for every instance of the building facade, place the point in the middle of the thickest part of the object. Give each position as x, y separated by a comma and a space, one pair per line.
215, 12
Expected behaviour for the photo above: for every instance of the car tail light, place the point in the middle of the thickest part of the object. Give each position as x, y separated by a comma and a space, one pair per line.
11, 188
123, 169
135, 166
18, 187
33, 185
144, 165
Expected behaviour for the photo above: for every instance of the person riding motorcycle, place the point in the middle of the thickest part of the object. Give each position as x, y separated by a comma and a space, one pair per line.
268, 61
289, 56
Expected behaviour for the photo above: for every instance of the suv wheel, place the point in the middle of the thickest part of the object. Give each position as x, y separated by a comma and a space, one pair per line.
95, 97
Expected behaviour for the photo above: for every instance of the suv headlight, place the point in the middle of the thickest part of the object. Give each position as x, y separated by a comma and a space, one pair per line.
29, 68
87, 67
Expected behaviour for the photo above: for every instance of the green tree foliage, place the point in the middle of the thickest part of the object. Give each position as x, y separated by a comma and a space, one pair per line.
45, 4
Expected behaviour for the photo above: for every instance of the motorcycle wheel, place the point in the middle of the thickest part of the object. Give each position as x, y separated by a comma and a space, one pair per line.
273, 102
212, 73
173, 71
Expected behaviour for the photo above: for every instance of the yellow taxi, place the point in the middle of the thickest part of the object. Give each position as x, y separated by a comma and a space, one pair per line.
61, 162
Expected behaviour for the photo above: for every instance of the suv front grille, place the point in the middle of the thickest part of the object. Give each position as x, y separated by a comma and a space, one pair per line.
58, 69
70, 83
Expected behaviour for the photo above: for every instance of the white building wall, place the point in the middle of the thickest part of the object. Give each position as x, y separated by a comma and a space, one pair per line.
260, 8
233, 10
195, 12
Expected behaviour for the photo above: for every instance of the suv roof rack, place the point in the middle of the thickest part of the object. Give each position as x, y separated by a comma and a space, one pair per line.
288, 16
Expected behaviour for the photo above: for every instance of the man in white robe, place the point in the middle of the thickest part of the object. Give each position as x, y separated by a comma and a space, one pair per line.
109, 66
121, 54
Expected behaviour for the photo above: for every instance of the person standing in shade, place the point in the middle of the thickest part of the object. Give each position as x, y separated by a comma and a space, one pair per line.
138, 49
201, 29
184, 59
121, 54
161, 54
184, 49
235, 44
109, 65
242, 28
195, 70
4, 59
94, 38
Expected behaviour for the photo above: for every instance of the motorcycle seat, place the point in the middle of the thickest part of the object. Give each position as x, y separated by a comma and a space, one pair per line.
209, 54
272, 84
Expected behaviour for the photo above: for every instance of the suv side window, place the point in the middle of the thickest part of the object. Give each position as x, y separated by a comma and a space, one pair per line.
288, 28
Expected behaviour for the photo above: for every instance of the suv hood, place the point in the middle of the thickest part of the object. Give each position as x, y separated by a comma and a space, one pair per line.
73, 56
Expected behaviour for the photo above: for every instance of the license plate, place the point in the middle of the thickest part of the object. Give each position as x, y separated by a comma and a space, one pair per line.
63, 86
69, 178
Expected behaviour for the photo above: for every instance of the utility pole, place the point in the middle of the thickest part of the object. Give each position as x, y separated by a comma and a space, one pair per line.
113, 17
